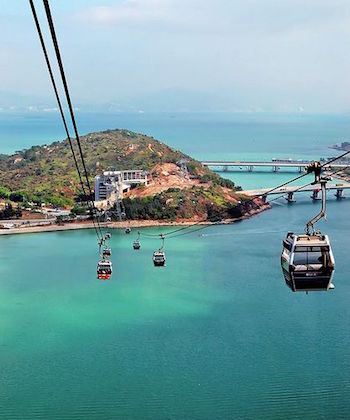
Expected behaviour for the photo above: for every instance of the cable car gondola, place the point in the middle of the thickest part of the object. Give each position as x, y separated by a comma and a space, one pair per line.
137, 244
307, 262
159, 256
107, 252
104, 270
307, 259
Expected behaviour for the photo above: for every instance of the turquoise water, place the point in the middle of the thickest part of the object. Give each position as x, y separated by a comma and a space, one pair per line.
203, 136
215, 334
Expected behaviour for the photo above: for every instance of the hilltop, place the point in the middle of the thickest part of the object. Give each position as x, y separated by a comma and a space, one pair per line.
46, 174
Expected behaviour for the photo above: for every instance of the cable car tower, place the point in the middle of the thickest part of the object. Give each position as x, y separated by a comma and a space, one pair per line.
307, 259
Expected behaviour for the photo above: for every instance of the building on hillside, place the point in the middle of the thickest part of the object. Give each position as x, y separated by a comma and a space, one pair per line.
111, 186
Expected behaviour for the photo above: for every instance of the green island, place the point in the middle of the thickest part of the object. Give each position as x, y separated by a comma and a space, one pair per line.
46, 175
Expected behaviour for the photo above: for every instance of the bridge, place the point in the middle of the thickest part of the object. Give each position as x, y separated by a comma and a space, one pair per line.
290, 191
275, 164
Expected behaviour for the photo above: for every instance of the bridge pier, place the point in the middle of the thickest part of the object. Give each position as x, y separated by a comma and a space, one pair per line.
290, 198
225, 168
301, 169
275, 169
250, 168
314, 195
340, 194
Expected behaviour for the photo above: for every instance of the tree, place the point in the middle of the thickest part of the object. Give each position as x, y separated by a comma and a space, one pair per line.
9, 212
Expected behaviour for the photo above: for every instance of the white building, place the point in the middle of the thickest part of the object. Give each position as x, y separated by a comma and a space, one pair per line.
110, 186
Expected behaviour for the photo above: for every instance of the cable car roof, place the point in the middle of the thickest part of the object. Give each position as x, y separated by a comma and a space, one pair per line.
307, 240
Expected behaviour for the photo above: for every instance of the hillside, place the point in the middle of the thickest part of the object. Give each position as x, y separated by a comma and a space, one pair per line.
47, 174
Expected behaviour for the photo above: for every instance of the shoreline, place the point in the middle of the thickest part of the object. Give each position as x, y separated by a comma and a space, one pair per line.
133, 224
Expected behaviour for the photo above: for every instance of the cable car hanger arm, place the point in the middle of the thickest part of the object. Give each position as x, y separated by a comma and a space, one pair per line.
316, 169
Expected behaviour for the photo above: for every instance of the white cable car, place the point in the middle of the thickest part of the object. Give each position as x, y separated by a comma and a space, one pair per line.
104, 270
307, 262
307, 259
159, 258
137, 244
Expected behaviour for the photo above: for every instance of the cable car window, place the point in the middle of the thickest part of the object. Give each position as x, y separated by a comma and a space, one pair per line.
287, 245
313, 257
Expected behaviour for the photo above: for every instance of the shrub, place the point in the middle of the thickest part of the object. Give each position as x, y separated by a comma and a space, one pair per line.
4, 192
16, 196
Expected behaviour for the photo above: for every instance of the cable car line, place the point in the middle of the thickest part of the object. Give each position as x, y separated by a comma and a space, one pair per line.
90, 203
66, 90
157, 235
65, 85
160, 235
42, 42
310, 183
55, 89
104, 266
192, 231
305, 174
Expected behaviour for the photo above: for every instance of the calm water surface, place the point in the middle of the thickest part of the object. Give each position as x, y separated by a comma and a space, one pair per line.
215, 334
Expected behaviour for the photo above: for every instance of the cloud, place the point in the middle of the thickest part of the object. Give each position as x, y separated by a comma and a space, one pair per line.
54, 109
128, 11
219, 54
242, 17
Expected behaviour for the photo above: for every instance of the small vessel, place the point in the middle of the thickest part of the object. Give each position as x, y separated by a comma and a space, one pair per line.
136, 244
127, 230
104, 270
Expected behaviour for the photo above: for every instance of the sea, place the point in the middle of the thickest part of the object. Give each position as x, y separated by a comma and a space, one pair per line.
215, 334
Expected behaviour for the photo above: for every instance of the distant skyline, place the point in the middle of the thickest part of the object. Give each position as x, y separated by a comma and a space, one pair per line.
177, 55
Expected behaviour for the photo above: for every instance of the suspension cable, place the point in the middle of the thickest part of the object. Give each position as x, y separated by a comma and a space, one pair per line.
175, 230
328, 162
52, 78
307, 185
65, 85
193, 231
67, 94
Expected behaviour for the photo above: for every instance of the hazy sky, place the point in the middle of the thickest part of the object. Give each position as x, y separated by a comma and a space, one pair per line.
237, 55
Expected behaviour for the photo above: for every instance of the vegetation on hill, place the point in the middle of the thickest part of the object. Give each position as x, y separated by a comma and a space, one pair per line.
196, 203
46, 174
